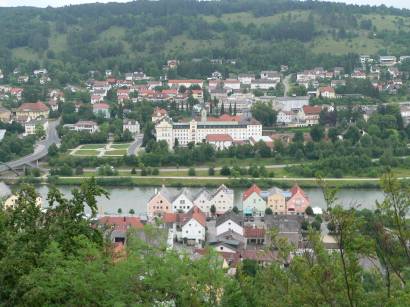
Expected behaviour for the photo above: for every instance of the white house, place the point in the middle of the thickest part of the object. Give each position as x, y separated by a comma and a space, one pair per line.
203, 201
219, 141
233, 85
222, 199
83, 125
30, 127
229, 222
387, 60
194, 227
263, 84
183, 201
132, 126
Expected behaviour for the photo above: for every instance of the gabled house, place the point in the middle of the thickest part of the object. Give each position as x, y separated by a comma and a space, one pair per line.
222, 199
183, 201
312, 114
189, 227
326, 92
160, 203
229, 222
252, 202
203, 201
298, 201
276, 201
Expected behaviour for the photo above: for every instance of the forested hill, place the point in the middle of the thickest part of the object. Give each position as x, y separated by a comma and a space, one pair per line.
258, 34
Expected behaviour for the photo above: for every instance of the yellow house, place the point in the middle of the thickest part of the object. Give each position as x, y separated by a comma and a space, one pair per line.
277, 201
32, 111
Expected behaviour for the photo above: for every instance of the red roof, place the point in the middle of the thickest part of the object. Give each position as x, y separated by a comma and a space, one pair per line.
327, 89
33, 107
251, 232
16, 90
101, 106
170, 218
199, 216
225, 118
253, 189
121, 223
295, 189
312, 109
170, 92
219, 138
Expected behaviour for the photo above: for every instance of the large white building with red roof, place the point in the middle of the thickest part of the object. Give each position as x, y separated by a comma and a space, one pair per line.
197, 130
30, 111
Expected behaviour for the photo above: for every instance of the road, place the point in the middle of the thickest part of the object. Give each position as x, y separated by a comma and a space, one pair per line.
40, 151
135, 145
286, 84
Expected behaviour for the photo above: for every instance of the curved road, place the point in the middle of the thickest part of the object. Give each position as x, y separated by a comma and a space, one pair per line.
40, 151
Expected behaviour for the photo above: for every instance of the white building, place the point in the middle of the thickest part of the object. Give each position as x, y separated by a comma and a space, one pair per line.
222, 199
88, 126
193, 229
271, 75
30, 127
387, 60
263, 84
240, 129
182, 202
132, 126
233, 85
246, 78
229, 222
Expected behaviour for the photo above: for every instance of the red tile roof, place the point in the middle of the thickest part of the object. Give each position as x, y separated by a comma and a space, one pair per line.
253, 189
312, 109
33, 107
327, 89
225, 118
121, 223
251, 232
170, 218
219, 138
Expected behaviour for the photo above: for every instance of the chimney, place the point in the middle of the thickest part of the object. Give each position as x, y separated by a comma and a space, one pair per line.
125, 219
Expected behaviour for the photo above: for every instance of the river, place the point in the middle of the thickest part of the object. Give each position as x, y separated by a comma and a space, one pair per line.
136, 198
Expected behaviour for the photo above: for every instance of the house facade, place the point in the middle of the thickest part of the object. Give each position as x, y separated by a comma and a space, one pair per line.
252, 202
32, 111
160, 203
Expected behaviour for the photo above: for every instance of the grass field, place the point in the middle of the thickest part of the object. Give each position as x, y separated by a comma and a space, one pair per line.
120, 146
86, 152
92, 146
116, 152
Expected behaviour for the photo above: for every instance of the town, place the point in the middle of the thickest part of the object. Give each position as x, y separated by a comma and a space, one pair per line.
204, 153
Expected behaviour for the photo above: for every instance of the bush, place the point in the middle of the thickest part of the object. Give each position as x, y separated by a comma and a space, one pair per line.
79, 170
309, 211
235, 210
155, 172
35, 172
211, 171
133, 171
191, 172
268, 211
225, 171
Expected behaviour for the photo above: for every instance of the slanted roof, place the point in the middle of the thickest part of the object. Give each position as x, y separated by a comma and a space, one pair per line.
253, 232
229, 215
219, 138
295, 189
121, 223
33, 107
253, 189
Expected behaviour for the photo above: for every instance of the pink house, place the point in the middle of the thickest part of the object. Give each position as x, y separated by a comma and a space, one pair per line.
298, 201
160, 203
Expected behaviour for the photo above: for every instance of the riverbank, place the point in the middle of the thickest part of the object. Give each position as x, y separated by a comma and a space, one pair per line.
205, 181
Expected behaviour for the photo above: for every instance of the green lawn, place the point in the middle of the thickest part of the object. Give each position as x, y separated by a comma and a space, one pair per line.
92, 146
86, 152
120, 146
116, 152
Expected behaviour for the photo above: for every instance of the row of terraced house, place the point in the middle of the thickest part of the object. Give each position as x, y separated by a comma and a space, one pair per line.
254, 200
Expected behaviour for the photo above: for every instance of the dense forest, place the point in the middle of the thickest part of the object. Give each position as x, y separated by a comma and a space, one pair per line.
56, 257
244, 35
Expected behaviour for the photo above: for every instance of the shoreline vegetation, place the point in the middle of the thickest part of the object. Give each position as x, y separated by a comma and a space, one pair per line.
137, 181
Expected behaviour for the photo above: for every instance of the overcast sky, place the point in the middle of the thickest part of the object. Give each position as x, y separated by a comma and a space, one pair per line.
44, 3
